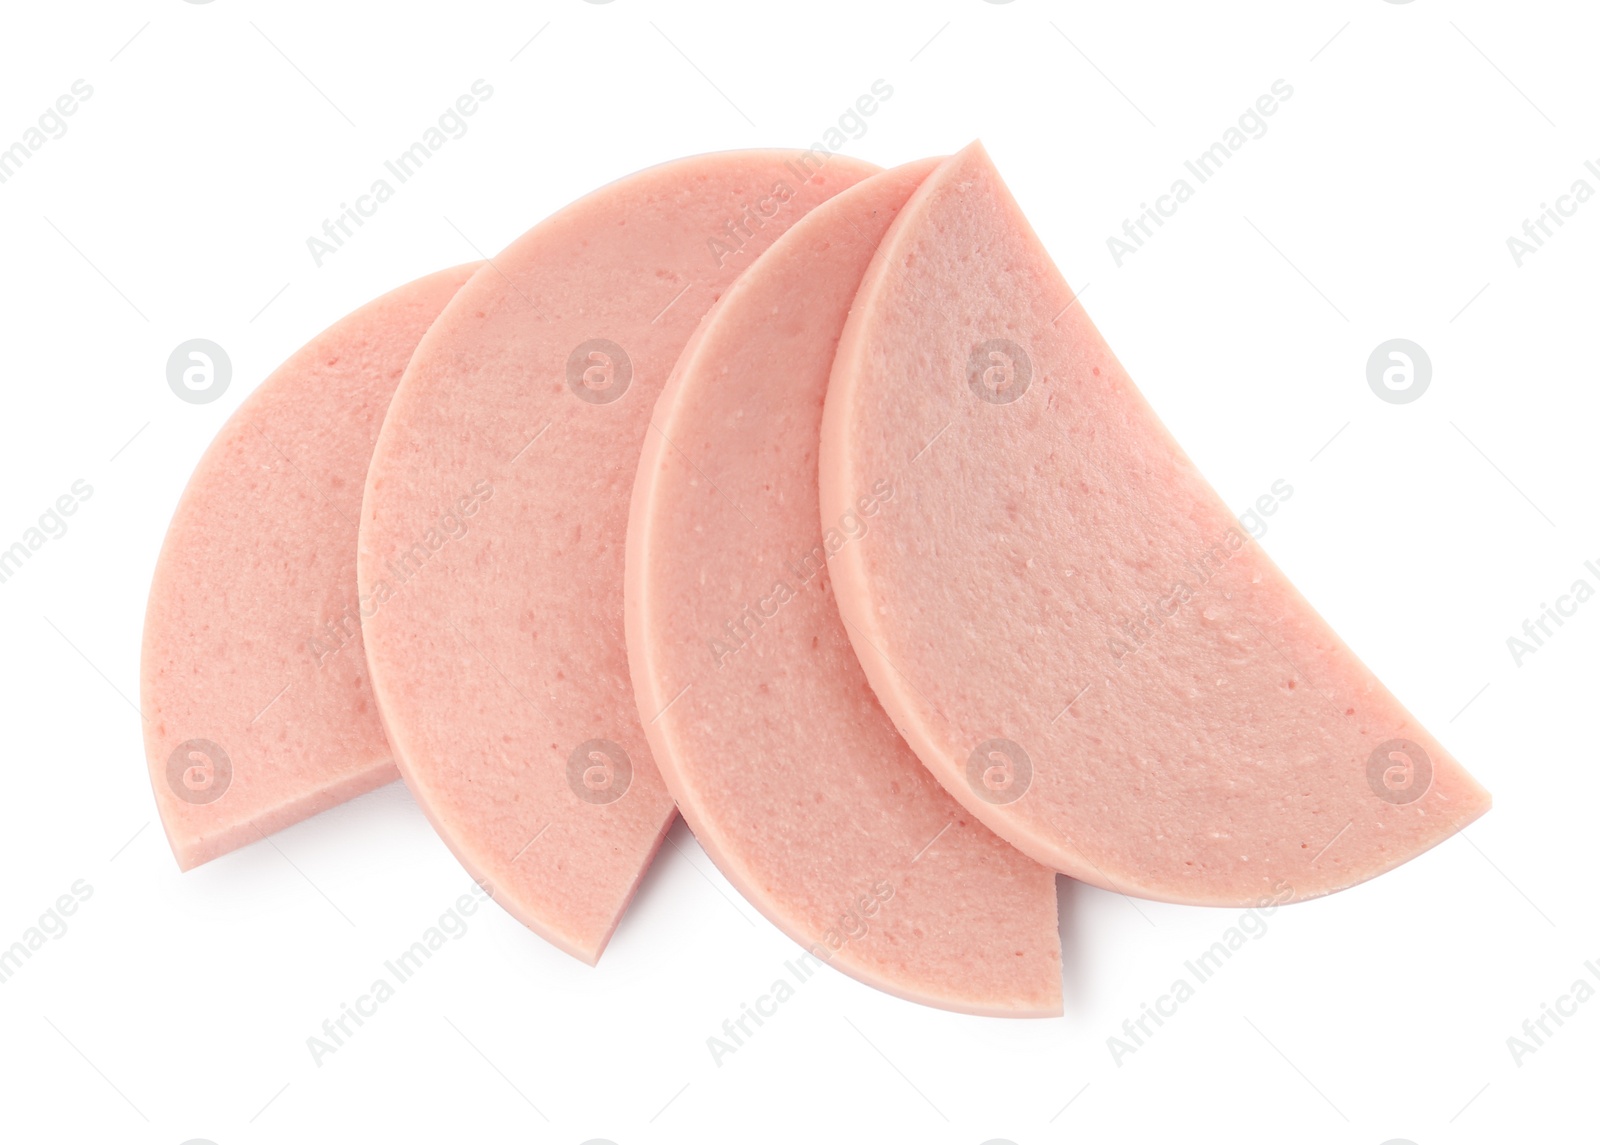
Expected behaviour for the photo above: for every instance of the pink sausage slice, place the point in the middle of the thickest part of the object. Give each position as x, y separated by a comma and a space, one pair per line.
769, 737
493, 529
1064, 620
257, 707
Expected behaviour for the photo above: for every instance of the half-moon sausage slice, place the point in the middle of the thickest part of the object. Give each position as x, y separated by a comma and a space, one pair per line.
258, 710
1065, 621
769, 738
493, 529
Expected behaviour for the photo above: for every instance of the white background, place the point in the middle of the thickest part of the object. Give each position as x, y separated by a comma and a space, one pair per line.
1419, 137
